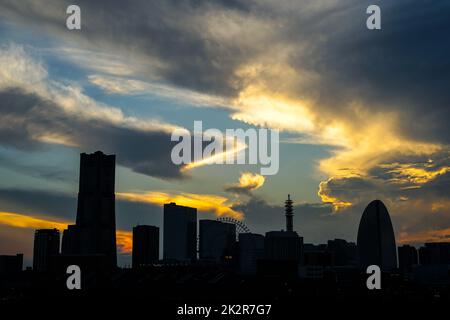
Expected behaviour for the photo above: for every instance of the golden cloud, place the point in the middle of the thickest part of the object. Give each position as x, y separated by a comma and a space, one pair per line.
363, 139
218, 205
335, 202
251, 181
439, 235
20, 220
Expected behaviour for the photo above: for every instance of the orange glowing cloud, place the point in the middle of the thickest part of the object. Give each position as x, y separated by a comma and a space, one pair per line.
203, 202
440, 235
124, 240
19, 220
251, 181
337, 204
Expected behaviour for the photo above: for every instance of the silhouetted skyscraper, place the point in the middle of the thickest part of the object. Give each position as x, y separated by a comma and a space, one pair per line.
407, 257
217, 239
95, 231
376, 240
145, 245
180, 232
46, 246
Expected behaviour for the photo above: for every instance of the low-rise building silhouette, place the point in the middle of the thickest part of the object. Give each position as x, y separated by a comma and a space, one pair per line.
435, 253
251, 249
217, 240
11, 263
145, 246
46, 247
407, 258
343, 253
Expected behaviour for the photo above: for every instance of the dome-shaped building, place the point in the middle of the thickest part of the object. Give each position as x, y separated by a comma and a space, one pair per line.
376, 240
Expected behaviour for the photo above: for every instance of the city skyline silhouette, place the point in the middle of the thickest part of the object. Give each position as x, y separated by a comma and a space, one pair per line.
221, 249
186, 152
96, 214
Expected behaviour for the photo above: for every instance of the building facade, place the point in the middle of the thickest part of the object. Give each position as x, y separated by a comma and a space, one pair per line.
376, 240
145, 246
94, 233
180, 232
46, 248
217, 239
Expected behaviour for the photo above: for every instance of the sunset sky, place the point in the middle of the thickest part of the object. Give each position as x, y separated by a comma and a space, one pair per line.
363, 114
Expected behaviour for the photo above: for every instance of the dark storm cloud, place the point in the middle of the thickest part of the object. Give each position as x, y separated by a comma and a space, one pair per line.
26, 117
39, 171
153, 29
403, 67
36, 202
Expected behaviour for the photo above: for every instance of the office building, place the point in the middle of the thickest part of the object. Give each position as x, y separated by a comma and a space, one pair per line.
180, 232
217, 239
145, 246
251, 249
46, 247
435, 253
283, 245
407, 257
94, 233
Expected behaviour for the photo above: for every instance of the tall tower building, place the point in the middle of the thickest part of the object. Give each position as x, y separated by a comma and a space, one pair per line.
289, 214
95, 231
180, 232
376, 240
46, 246
145, 246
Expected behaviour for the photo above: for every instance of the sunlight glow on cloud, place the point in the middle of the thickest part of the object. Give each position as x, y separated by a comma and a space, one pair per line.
438, 235
251, 181
218, 205
219, 157
19, 220
336, 203
247, 183
19, 69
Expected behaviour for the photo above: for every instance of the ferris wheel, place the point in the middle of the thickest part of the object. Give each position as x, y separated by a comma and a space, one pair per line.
240, 226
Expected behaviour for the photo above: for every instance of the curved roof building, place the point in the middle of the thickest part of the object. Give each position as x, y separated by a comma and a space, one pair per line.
376, 240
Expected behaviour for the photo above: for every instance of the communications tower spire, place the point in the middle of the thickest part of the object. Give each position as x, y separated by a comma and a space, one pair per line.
289, 212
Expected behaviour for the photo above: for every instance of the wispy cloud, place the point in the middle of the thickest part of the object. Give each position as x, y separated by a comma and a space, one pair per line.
130, 86
218, 205
37, 110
